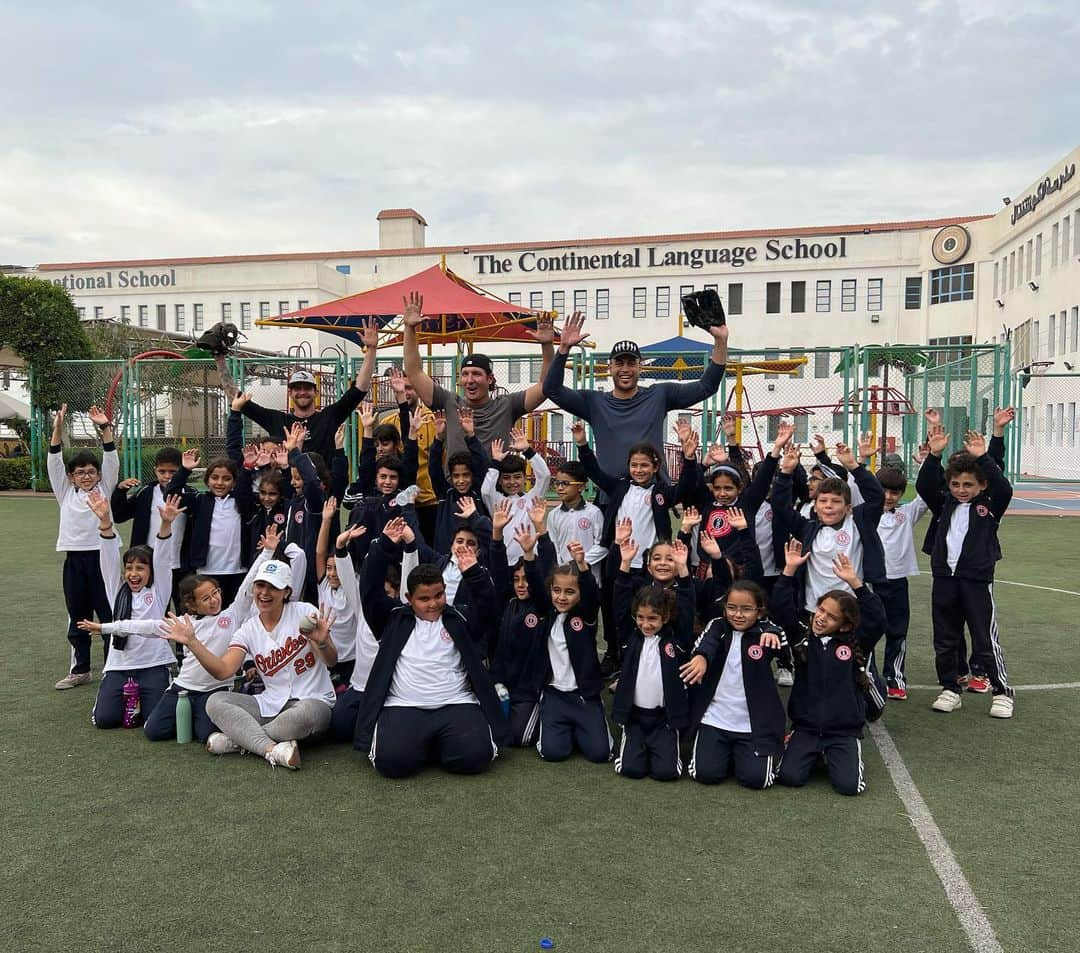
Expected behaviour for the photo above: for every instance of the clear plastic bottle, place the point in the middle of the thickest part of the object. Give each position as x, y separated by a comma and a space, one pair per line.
183, 718
504, 698
131, 703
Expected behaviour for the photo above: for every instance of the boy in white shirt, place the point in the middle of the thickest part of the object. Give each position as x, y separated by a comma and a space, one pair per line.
576, 519
505, 480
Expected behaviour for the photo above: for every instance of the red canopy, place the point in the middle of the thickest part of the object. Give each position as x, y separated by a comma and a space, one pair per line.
456, 311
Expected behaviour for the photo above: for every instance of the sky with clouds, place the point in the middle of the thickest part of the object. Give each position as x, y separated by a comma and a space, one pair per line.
245, 126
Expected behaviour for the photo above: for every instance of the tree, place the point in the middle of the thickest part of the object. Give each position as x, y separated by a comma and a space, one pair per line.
39, 323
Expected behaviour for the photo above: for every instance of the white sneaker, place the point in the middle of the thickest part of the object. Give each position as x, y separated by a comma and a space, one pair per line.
1001, 707
72, 681
221, 743
286, 754
947, 701
785, 677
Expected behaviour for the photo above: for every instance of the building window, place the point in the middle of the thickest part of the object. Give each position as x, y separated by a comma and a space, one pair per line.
824, 294
771, 355
536, 300
196, 317
125, 314
99, 312
283, 307
802, 428
144, 315
1036, 342
1051, 338
264, 309
712, 287
344, 269
558, 302
1074, 331
180, 318
948, 357
514, 371
912, 294
873, 294
603, 298
1053, 249
798, 297
81, 312
1063, 329
1065, 241
956, 283
663, 302
245, 315
639, 302
996, 270
581, 300
160, 427
796, 354
161, 318
556, 428
772, 297
847, 294
300, 305
1072, 424
734, 297
1031, 255
1012, 270
822, 364
514, 298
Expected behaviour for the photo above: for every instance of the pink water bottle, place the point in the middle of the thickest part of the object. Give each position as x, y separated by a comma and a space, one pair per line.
131, 703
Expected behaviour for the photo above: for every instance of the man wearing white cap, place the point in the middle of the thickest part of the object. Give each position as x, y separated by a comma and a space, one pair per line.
321, 424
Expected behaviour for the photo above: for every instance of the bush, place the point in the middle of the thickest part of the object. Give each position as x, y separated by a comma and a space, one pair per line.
15, 473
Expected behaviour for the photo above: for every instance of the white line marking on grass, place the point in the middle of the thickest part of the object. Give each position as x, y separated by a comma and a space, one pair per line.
1028, 585
973, 919
1039, 503
1018, 688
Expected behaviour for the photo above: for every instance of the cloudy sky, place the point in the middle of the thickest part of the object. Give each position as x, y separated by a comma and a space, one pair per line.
244, 126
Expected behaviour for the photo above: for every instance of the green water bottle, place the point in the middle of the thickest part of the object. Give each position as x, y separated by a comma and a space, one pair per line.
183, 718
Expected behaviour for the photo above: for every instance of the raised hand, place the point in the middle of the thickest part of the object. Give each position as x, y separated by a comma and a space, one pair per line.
416, 420
691, 517
790, 461
398, 381
526, 539
817, 444
577, 553
177, 629
501, 516
728, 423
99, 505
58, 424
682, 429
573, 332
466, 508
369, 333
264, 458
690, 445
270, 539
251, 454
394, 530
518, 441
171, 508
709, 546
628, 549
97, 416
1003, 416
330, 507
468, 424
189, 459
280, 457
466, 558
538, 514
545, 329
794, 556
413, 309
933, 418
975, 443
294, 437
784, 432
498, 450
624, 529
239, 402
348, 535
736, 518
937, 440
846, 456
577, 431
715, 455
320, 635
921, 453
128, 483
440, 424
681, 554
367, 417
339, 438
867, 446
845, 571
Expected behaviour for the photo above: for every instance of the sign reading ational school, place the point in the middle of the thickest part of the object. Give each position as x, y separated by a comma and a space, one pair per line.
652, 256
103, 281
1046, 187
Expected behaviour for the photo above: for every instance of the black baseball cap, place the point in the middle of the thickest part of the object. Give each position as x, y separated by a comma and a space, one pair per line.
478, 360
626, 349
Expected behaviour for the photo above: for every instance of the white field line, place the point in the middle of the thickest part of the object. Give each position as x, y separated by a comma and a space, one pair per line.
973, 919
1021, 499
1028, 585
1018, 688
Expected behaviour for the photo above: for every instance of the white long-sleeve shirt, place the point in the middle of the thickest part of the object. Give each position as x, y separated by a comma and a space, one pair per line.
519, 514
78, 524
583, 524
897, 533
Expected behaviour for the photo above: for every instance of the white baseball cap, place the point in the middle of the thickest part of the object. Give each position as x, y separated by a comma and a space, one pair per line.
275, 572
302, 377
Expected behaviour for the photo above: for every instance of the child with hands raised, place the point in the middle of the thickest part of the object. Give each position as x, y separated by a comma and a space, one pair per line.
837, 690
464, 471
505, 480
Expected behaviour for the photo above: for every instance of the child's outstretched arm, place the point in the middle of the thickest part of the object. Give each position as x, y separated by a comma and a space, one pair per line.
783, 606
110, 459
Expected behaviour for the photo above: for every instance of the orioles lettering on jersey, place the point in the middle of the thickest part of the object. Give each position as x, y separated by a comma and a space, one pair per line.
281, 655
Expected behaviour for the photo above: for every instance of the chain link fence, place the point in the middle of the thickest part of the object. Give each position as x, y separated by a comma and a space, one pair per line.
1046, 434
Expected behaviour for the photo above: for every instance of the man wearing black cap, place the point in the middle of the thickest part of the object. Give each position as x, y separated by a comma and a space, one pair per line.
494, 417
321, 424
629, 413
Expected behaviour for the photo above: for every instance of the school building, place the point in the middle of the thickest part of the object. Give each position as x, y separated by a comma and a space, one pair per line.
952, 281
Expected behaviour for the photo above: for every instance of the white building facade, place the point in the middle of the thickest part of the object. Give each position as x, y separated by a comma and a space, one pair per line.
950, 281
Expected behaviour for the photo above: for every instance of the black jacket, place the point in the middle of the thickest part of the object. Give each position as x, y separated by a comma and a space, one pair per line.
663, 495
675, 640
827, 698
392, 624
446, 518
136, 507
762, 699
995, 449
981, 549
321, 426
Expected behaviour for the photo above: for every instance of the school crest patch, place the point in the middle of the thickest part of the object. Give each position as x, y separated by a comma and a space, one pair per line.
531, 620
279, 518
148, 599
718, 524
755, 652
576, 624
900, 519
298, 516
224, 622
446, 636
659, 499
982, 510
669, 650
843, 653
584, 523
843, 537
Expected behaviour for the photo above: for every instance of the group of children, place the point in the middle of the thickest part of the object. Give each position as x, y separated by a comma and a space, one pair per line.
295, 615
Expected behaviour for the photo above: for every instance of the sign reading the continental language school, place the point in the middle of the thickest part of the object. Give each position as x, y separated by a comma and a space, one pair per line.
652, 256
103, 281
1046, 187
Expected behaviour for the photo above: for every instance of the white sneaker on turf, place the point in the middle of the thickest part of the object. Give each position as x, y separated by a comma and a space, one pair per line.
221, 743
286, 754
72, 681
785, 677
1001, 707
947, 701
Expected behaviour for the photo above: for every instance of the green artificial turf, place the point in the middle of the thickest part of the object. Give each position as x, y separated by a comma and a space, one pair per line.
112, 843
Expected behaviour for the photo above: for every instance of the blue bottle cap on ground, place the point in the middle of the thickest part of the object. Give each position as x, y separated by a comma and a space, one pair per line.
547, 943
